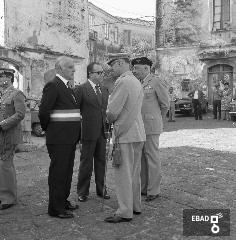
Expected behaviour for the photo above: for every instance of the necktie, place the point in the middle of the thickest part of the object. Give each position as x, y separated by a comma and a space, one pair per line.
70, 89
99, 93
68, 85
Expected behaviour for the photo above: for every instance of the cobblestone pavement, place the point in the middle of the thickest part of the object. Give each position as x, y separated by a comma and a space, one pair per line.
199, 166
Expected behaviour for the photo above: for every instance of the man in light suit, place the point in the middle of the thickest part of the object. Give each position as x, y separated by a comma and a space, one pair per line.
124, 111
92, 100
59, 117
154, 108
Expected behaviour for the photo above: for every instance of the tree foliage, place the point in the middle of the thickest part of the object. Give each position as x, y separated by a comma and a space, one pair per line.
181, 25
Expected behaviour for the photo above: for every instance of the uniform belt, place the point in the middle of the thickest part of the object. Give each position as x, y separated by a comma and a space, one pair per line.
68, 115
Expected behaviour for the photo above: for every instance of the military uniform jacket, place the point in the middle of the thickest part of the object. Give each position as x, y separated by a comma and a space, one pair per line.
123, 99
57, 97
155, 104
92, 110
12, 111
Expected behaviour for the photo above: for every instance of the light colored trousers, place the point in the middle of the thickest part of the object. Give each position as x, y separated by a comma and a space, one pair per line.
172, 111
8, 185
127, 180
151, 166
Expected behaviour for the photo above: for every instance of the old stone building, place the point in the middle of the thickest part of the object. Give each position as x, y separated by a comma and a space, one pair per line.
212, 57
34, 33
109, 34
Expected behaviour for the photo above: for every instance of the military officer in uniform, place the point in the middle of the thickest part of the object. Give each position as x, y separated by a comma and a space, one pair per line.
12, 111
124, 111
154, 109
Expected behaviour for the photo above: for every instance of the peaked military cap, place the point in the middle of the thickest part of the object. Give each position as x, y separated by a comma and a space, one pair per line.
141, 61
115, 56
7, 71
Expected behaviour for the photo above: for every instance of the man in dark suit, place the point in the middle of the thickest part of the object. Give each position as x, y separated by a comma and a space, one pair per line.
197, 100
92, 100
59, 117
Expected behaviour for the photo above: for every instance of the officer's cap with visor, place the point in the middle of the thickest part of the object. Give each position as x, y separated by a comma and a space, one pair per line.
6, 72
116, 56
141, 61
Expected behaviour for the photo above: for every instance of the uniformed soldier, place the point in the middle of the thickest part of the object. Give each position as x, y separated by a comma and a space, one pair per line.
124, 111
12, 111
154, 108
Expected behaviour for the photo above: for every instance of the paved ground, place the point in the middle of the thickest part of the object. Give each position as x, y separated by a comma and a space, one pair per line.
199, 166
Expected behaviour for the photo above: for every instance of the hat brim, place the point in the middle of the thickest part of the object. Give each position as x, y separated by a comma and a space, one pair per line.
114, 59
111, 61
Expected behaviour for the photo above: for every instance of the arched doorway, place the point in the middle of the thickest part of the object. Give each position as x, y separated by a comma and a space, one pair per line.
219, 73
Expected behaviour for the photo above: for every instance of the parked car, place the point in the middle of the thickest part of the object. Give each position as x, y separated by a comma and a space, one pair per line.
185, 106
33, 104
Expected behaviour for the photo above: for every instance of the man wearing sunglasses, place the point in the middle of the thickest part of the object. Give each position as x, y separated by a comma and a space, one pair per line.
92, 99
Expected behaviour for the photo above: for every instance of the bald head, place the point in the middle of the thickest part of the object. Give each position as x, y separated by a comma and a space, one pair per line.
64, 66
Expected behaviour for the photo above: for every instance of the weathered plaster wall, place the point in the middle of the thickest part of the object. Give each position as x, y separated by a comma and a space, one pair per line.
179, 64
2, 24
58, 25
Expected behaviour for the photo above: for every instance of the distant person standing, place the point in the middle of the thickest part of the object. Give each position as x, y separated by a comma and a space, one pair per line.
197, 100
173, 99
12, 111
154, 109
225, 102
217, 96
59, 117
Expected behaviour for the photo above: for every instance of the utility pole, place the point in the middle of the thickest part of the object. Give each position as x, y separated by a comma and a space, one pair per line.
158, 24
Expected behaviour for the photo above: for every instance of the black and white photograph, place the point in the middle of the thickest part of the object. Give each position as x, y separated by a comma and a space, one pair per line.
117, 119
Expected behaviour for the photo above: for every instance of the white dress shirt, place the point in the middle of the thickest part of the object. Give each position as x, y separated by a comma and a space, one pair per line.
94, 86
195, 95
63, 79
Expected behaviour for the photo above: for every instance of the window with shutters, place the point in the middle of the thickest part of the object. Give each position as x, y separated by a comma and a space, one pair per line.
106, 30
91, 21
221, 14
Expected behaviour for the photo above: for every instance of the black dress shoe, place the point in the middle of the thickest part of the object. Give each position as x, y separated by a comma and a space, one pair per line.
71, 207
150, 198
66, 214
136, 213
117, 219
82, 198
5, 206
105, 196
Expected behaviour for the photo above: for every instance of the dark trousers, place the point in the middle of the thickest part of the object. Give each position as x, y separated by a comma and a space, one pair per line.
197, 109
217, 108
92, 150
60, 175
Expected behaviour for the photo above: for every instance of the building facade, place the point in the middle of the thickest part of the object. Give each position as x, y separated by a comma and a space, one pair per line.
212, 58
110, 34
34, 33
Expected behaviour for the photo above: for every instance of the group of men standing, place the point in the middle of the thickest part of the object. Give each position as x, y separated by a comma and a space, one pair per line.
136, 106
